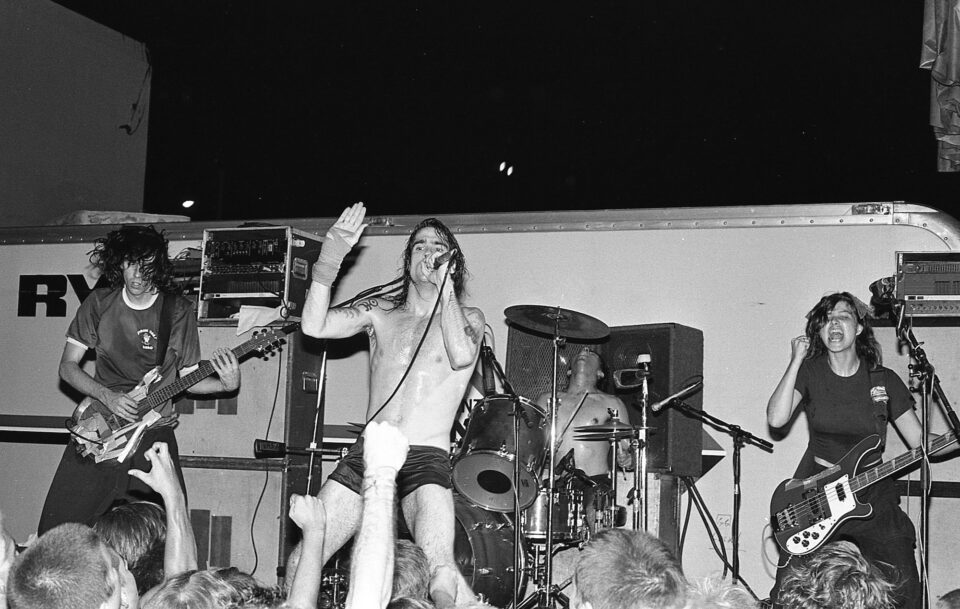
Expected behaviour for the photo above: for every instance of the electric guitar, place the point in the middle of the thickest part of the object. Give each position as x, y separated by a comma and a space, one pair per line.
805, 513
104, 435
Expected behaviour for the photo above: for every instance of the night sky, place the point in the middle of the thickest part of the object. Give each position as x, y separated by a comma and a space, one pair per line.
293, 109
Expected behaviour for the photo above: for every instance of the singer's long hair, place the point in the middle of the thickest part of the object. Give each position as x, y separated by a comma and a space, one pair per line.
458, 263
866, 344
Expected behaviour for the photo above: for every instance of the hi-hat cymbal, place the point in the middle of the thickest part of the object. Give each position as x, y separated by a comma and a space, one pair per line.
611, 426
548, 320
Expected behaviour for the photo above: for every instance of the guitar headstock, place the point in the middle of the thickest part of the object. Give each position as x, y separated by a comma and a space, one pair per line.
269, 340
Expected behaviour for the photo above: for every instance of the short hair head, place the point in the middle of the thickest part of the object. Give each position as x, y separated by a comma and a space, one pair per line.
138, 532
838, 576
65, 568
950, 600
866, 344
718, 593
143, 245
623, 569
193, 590
458, 262
411, 571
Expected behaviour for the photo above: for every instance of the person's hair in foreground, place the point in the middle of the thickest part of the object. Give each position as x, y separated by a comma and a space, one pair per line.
411, 571
138, 532
837, 577
950, 600
623, 569
212, 589
65, 568
718, 593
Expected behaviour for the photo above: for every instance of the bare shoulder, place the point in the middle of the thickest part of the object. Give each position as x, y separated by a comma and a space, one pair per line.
374, 306
473, 315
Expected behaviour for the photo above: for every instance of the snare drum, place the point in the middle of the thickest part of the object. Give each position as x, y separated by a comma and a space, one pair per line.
483, 470
568, 517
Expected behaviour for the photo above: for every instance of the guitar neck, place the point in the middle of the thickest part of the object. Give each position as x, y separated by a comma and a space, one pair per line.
205, 369
888, 468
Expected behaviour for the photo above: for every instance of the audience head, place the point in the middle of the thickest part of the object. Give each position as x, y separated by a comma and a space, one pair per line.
950, 600
138, 532
69, 567
836, 577
407, 602
623, 569
411, 571
211, 589
718, 593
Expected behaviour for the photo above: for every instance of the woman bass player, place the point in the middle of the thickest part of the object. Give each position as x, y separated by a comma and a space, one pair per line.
835, 373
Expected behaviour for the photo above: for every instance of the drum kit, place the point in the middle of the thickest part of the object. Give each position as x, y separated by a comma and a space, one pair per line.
505, 471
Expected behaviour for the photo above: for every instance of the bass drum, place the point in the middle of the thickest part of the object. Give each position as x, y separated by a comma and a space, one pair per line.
484, 466
483, 550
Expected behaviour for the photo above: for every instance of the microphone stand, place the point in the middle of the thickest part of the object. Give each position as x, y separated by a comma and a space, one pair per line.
924, 372
740, 437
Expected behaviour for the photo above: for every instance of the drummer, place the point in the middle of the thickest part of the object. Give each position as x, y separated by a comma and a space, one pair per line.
585, 404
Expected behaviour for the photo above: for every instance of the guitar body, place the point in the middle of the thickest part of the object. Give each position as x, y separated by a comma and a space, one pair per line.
96, 428
805, 513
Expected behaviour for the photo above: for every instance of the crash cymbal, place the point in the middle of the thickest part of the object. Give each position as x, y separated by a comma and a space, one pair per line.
566, 323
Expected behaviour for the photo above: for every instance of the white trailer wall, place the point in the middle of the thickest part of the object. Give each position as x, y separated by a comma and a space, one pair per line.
744, 276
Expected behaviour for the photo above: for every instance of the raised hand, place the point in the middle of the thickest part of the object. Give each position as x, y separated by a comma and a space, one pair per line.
308, 513
799, 347
350, 225
162, 476
384, 445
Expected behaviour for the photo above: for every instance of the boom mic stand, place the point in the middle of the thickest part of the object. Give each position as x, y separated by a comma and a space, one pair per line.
924, 372
740, 437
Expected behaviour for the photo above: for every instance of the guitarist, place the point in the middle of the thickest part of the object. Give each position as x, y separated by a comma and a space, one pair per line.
835, 373
122, 325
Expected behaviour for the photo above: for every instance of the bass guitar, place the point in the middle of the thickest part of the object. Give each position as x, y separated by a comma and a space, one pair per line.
101, 434
805, 513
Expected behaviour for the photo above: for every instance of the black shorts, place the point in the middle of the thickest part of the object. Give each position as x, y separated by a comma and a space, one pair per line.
424, 465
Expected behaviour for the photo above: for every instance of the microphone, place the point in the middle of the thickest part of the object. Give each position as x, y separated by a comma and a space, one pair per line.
658, 406
629, 378
444, 258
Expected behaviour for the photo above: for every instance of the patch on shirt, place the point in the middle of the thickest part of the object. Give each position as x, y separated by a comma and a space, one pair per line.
879, 395
148, 339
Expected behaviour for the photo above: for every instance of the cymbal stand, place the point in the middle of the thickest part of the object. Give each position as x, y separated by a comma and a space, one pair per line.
639, 447
545, 595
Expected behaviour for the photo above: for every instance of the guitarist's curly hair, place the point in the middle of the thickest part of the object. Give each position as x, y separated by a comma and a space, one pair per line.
143, 245
867, 346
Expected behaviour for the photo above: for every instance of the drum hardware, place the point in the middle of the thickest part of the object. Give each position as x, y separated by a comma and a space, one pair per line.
561, 324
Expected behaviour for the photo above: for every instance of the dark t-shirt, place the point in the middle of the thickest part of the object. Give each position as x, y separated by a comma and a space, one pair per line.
841, 411
125, 340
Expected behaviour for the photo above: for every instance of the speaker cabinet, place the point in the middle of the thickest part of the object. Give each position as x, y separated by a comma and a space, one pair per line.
675, 441
663, 511
276, 401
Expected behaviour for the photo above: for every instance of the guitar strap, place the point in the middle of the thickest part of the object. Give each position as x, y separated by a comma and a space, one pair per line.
880, 400
163, 331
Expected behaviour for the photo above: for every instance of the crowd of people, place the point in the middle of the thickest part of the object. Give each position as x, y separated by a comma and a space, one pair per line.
143, 554
117, 534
